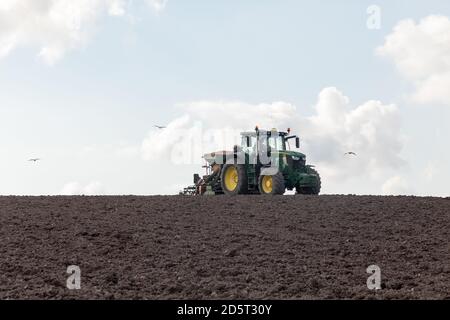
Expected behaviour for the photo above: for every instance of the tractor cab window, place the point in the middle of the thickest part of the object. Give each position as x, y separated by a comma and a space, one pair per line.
277, 143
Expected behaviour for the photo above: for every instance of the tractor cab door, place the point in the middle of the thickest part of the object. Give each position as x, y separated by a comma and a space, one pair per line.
248, 144
250, 148
268, 151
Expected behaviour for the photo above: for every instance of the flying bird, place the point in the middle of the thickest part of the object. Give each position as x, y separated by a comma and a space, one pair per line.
34, 159
159, 127
350, 153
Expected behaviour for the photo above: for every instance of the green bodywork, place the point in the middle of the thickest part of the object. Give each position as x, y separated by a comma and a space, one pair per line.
303, 177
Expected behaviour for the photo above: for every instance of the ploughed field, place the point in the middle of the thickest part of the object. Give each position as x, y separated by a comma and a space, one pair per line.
244, 247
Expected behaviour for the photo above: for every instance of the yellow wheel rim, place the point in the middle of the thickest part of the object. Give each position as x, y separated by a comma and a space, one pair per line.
266, 184
231, 178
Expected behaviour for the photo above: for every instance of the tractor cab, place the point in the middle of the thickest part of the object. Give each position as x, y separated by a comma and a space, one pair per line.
264, 140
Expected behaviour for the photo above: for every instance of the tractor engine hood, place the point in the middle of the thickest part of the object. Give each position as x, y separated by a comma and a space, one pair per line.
294, 154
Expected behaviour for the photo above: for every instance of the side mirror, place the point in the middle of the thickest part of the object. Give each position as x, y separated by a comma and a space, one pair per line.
247, 140
297, 142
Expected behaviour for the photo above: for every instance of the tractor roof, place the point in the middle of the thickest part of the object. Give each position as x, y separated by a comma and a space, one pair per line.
262, 131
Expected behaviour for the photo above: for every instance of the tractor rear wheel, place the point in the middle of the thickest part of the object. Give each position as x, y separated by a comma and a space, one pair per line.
272, 184
233, 179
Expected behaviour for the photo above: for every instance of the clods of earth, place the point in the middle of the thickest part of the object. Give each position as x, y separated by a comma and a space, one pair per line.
243, 247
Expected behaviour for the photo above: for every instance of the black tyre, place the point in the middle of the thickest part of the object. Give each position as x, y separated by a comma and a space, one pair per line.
233, 179
271, 184
312, 190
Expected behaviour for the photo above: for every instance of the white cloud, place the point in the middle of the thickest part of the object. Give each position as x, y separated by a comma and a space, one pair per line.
421, 53
54, 27
208, 125
75, 188
117, 7
396, 185
127, 151
157, 5
371, 130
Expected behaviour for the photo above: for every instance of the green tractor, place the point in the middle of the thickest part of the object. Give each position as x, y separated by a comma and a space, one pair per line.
262, 164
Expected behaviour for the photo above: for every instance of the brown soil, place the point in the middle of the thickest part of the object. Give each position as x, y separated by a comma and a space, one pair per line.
245, 247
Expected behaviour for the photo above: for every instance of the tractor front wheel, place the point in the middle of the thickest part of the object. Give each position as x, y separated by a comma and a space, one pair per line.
311, 190
272, 184
233, 179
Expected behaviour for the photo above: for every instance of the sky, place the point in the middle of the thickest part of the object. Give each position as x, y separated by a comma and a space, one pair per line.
83, 82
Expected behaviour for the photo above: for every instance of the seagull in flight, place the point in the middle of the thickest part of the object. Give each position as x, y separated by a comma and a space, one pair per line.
350, 153
34, 159
159, 127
